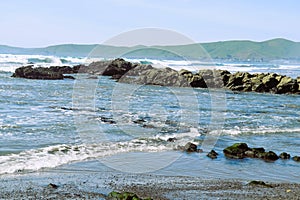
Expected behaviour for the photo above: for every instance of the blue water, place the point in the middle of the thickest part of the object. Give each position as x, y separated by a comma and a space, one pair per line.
49, 123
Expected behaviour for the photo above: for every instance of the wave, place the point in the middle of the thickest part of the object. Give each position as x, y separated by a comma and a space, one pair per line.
258, 131
10, 62
53, 156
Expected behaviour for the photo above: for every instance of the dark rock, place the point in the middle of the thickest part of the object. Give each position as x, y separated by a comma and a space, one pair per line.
296, 158
171, 139
53, 186
139, 121
259, 183
255, 152
118, 66
69, 77
107, 120
270, 156
62, 69
236, 151
212, 154
37, 73
190, 147
285, 156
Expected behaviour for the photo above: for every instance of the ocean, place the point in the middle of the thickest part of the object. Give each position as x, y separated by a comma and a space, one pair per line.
46, 124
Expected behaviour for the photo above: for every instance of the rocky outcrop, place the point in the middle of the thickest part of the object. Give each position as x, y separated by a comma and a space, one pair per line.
241, 150
240, 81
134, 73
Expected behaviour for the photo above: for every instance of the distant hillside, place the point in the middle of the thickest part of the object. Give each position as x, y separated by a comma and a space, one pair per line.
235, 50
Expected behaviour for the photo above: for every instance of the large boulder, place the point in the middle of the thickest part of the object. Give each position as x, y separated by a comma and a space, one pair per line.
236, 151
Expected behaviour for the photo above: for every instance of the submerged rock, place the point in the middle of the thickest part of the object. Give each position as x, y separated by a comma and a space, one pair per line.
212, 154
296, 158
284, 156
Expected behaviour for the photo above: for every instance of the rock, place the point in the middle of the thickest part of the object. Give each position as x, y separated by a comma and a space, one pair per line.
287, 85
153, 76
236, 151
107, 120
184, 72
255, 152
44, 73
144, 74
250, 154
37, 73
190, 147
117, 67
139, 121
270, 156
197, 81
69, 77
296, 158
284, 156
270, 81
259, 183
62, 69
171, 139
212, 154
124, 196
52, 186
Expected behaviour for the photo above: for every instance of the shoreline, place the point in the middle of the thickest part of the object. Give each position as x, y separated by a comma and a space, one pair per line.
69, 182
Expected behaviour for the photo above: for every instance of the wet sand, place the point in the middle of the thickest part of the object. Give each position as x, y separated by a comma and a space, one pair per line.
72, 183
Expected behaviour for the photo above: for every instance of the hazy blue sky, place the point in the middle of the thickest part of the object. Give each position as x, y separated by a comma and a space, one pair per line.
37, 23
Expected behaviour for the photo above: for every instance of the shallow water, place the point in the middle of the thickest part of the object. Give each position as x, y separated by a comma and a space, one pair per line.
46, 123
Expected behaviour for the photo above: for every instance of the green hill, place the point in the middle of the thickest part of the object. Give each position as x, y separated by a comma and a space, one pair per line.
237, 50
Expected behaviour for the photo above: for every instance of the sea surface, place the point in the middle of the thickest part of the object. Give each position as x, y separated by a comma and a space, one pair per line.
45, 124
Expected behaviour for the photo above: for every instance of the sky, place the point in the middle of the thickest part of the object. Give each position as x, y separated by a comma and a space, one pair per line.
36, 23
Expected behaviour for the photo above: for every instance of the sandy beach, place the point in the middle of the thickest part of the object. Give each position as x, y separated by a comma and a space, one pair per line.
71, 182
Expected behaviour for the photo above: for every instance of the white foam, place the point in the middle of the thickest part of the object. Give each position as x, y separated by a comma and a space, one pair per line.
261, 130
10, 62
53, 156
